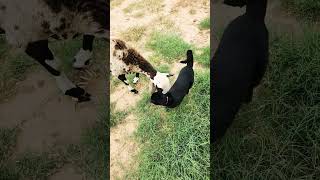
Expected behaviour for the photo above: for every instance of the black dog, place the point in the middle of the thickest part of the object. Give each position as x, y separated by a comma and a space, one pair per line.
179, 89
239, 64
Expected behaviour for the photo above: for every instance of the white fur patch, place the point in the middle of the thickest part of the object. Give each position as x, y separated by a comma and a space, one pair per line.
135, 80
81, 57
130, 88
162, 81
53, 63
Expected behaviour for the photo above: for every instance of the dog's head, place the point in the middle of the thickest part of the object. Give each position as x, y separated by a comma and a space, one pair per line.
158, 98
161, 81
119, 48
236, 3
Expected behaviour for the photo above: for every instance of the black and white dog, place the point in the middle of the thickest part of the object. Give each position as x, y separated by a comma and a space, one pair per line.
239, 64
180, 88
125, 59
29, 25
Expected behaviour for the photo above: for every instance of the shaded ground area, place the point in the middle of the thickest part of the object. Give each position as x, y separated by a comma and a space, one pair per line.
50, 126
276, 136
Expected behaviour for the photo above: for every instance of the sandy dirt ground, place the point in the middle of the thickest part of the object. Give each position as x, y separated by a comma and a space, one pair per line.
47, 118
124, 148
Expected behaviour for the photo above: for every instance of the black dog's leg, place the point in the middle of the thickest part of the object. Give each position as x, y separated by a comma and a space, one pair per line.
87, 43
260, 68
136, 79
223, 115
123, 78
262, 61
39, 51
84, 55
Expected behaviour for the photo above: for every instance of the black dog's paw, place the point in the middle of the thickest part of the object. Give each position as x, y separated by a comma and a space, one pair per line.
134, 91
79, 94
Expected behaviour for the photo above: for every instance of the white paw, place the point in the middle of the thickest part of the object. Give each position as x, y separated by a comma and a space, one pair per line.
135, 80
82, 58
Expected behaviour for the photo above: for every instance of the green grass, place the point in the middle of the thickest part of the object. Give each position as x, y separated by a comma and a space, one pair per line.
175, 141
171, 47
203, 56
13, 68
92, 154
307, 9
38, 166
277, 136
116, 116
168, 46
205, 24
8, 140
65, 52
27, 165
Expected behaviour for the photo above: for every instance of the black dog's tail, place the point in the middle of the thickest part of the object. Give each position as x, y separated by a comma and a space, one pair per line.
189, 60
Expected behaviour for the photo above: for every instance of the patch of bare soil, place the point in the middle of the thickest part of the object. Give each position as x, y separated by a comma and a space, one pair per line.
187, 19
47, 118
67, 173
123, 147
124, 99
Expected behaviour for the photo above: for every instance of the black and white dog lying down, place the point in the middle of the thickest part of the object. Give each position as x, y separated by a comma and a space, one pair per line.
29, 24
238, 65
180, 88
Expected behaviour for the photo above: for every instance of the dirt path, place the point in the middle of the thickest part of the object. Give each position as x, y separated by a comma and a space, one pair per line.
177, 14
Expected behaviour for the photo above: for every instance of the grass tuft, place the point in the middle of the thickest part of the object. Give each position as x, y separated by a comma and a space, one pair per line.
38, 166
203, 56
205, 24
153, 6
306, 9
115, 3
116, 116
133, 34
8, 140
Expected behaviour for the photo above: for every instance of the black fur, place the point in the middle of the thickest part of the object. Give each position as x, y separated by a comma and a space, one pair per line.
239, 3
238, 65
40, 51
179, 89
78, 93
